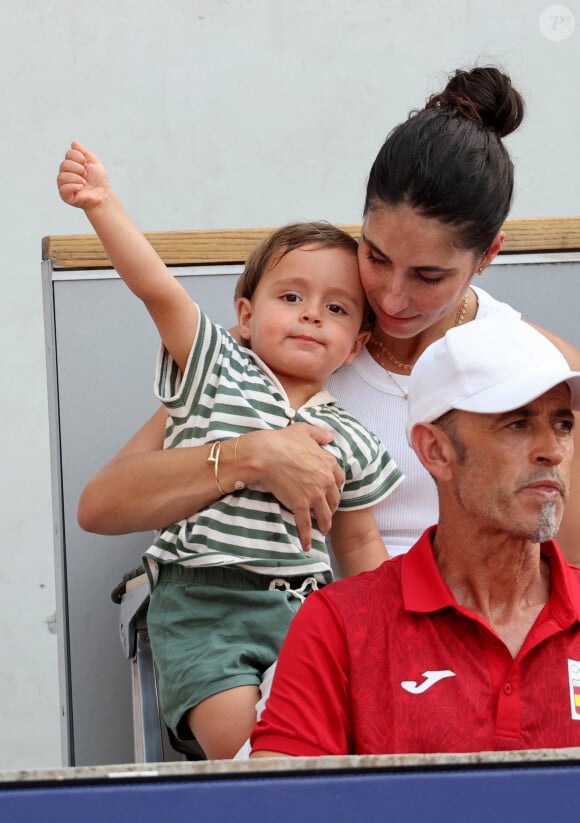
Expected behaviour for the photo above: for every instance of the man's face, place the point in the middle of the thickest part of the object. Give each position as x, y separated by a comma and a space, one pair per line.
512, 470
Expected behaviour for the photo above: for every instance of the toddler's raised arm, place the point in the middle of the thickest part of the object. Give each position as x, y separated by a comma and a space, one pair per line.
83, 182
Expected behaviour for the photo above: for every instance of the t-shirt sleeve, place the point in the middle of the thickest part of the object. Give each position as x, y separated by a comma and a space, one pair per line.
179, 392
308, 711
371, 473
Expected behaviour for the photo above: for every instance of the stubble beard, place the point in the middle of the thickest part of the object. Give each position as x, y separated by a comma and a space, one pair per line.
548, 522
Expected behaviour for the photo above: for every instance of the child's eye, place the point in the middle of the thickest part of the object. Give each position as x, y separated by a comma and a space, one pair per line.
334, 308
290, 297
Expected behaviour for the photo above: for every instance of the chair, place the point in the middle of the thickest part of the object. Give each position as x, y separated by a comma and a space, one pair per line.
152, 740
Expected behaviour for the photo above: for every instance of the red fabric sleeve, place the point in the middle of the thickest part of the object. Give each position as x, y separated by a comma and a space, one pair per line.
308, 712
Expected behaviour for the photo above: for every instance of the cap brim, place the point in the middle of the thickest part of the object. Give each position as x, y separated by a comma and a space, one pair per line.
516, 392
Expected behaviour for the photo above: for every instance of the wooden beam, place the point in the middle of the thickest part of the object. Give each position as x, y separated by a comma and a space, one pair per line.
537, 234
187, 248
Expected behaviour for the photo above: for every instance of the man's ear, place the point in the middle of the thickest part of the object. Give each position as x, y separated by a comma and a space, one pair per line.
361, 340
245, 312
435, 450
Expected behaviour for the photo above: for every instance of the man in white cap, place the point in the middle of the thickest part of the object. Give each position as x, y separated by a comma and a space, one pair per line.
471, 641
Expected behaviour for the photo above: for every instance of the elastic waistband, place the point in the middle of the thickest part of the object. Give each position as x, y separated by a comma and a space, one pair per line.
230, 577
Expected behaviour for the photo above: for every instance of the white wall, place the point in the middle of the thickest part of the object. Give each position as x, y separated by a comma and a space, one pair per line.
213, 114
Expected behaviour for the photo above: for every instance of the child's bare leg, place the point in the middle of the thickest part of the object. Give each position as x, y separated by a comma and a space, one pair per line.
222, 722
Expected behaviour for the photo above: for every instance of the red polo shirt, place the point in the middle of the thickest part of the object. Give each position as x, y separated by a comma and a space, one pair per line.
388, 662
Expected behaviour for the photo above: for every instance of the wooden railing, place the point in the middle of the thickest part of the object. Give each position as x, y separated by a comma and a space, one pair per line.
188, 248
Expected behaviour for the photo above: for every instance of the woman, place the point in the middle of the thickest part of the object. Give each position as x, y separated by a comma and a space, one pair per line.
438, 194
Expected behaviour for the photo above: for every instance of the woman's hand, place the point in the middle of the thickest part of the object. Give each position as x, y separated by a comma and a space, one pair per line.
144, 487
291, 464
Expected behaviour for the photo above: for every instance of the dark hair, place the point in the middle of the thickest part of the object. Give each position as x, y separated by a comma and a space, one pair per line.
295, 236
448, 160
448, 423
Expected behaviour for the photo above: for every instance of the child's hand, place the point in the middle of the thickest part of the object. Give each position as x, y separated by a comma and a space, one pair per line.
82, 179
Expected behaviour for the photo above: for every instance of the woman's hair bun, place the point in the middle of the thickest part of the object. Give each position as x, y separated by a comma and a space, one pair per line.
485, 96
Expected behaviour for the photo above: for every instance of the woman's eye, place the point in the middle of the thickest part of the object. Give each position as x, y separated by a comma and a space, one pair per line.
431, 281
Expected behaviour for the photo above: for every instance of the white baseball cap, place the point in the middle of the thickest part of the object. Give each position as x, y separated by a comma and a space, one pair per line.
488, 366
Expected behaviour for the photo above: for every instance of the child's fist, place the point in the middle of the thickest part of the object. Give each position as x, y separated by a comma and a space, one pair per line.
82, 180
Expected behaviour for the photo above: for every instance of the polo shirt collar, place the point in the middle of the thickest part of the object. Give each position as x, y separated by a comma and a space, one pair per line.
321, 398
425, 590
565, 585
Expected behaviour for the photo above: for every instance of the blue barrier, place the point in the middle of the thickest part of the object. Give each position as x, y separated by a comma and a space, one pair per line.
454, 791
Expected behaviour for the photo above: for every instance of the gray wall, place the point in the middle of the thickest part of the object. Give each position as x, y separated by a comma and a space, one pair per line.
212, 114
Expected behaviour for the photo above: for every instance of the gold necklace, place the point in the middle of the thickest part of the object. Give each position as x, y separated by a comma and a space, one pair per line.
379, 357
462, 310
378, 344
403, 390
381, 349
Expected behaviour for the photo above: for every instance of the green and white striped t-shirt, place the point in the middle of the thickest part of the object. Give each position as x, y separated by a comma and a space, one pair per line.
227, 391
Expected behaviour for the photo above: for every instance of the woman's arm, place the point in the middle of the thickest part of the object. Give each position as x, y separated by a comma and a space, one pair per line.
146, 487
357, 542
568, 537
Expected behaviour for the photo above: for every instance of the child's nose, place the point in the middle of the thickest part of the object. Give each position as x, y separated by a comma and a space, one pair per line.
312, 313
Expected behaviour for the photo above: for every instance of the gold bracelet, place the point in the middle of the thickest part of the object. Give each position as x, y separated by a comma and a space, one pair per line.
239, 484
214, 457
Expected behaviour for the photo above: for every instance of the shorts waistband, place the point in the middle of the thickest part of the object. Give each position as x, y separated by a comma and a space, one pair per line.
232, 577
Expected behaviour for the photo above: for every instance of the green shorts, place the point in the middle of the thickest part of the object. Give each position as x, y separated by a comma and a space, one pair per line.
212, 629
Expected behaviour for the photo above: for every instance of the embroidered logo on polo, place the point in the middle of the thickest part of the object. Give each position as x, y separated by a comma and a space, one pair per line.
574, 683
431, 677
